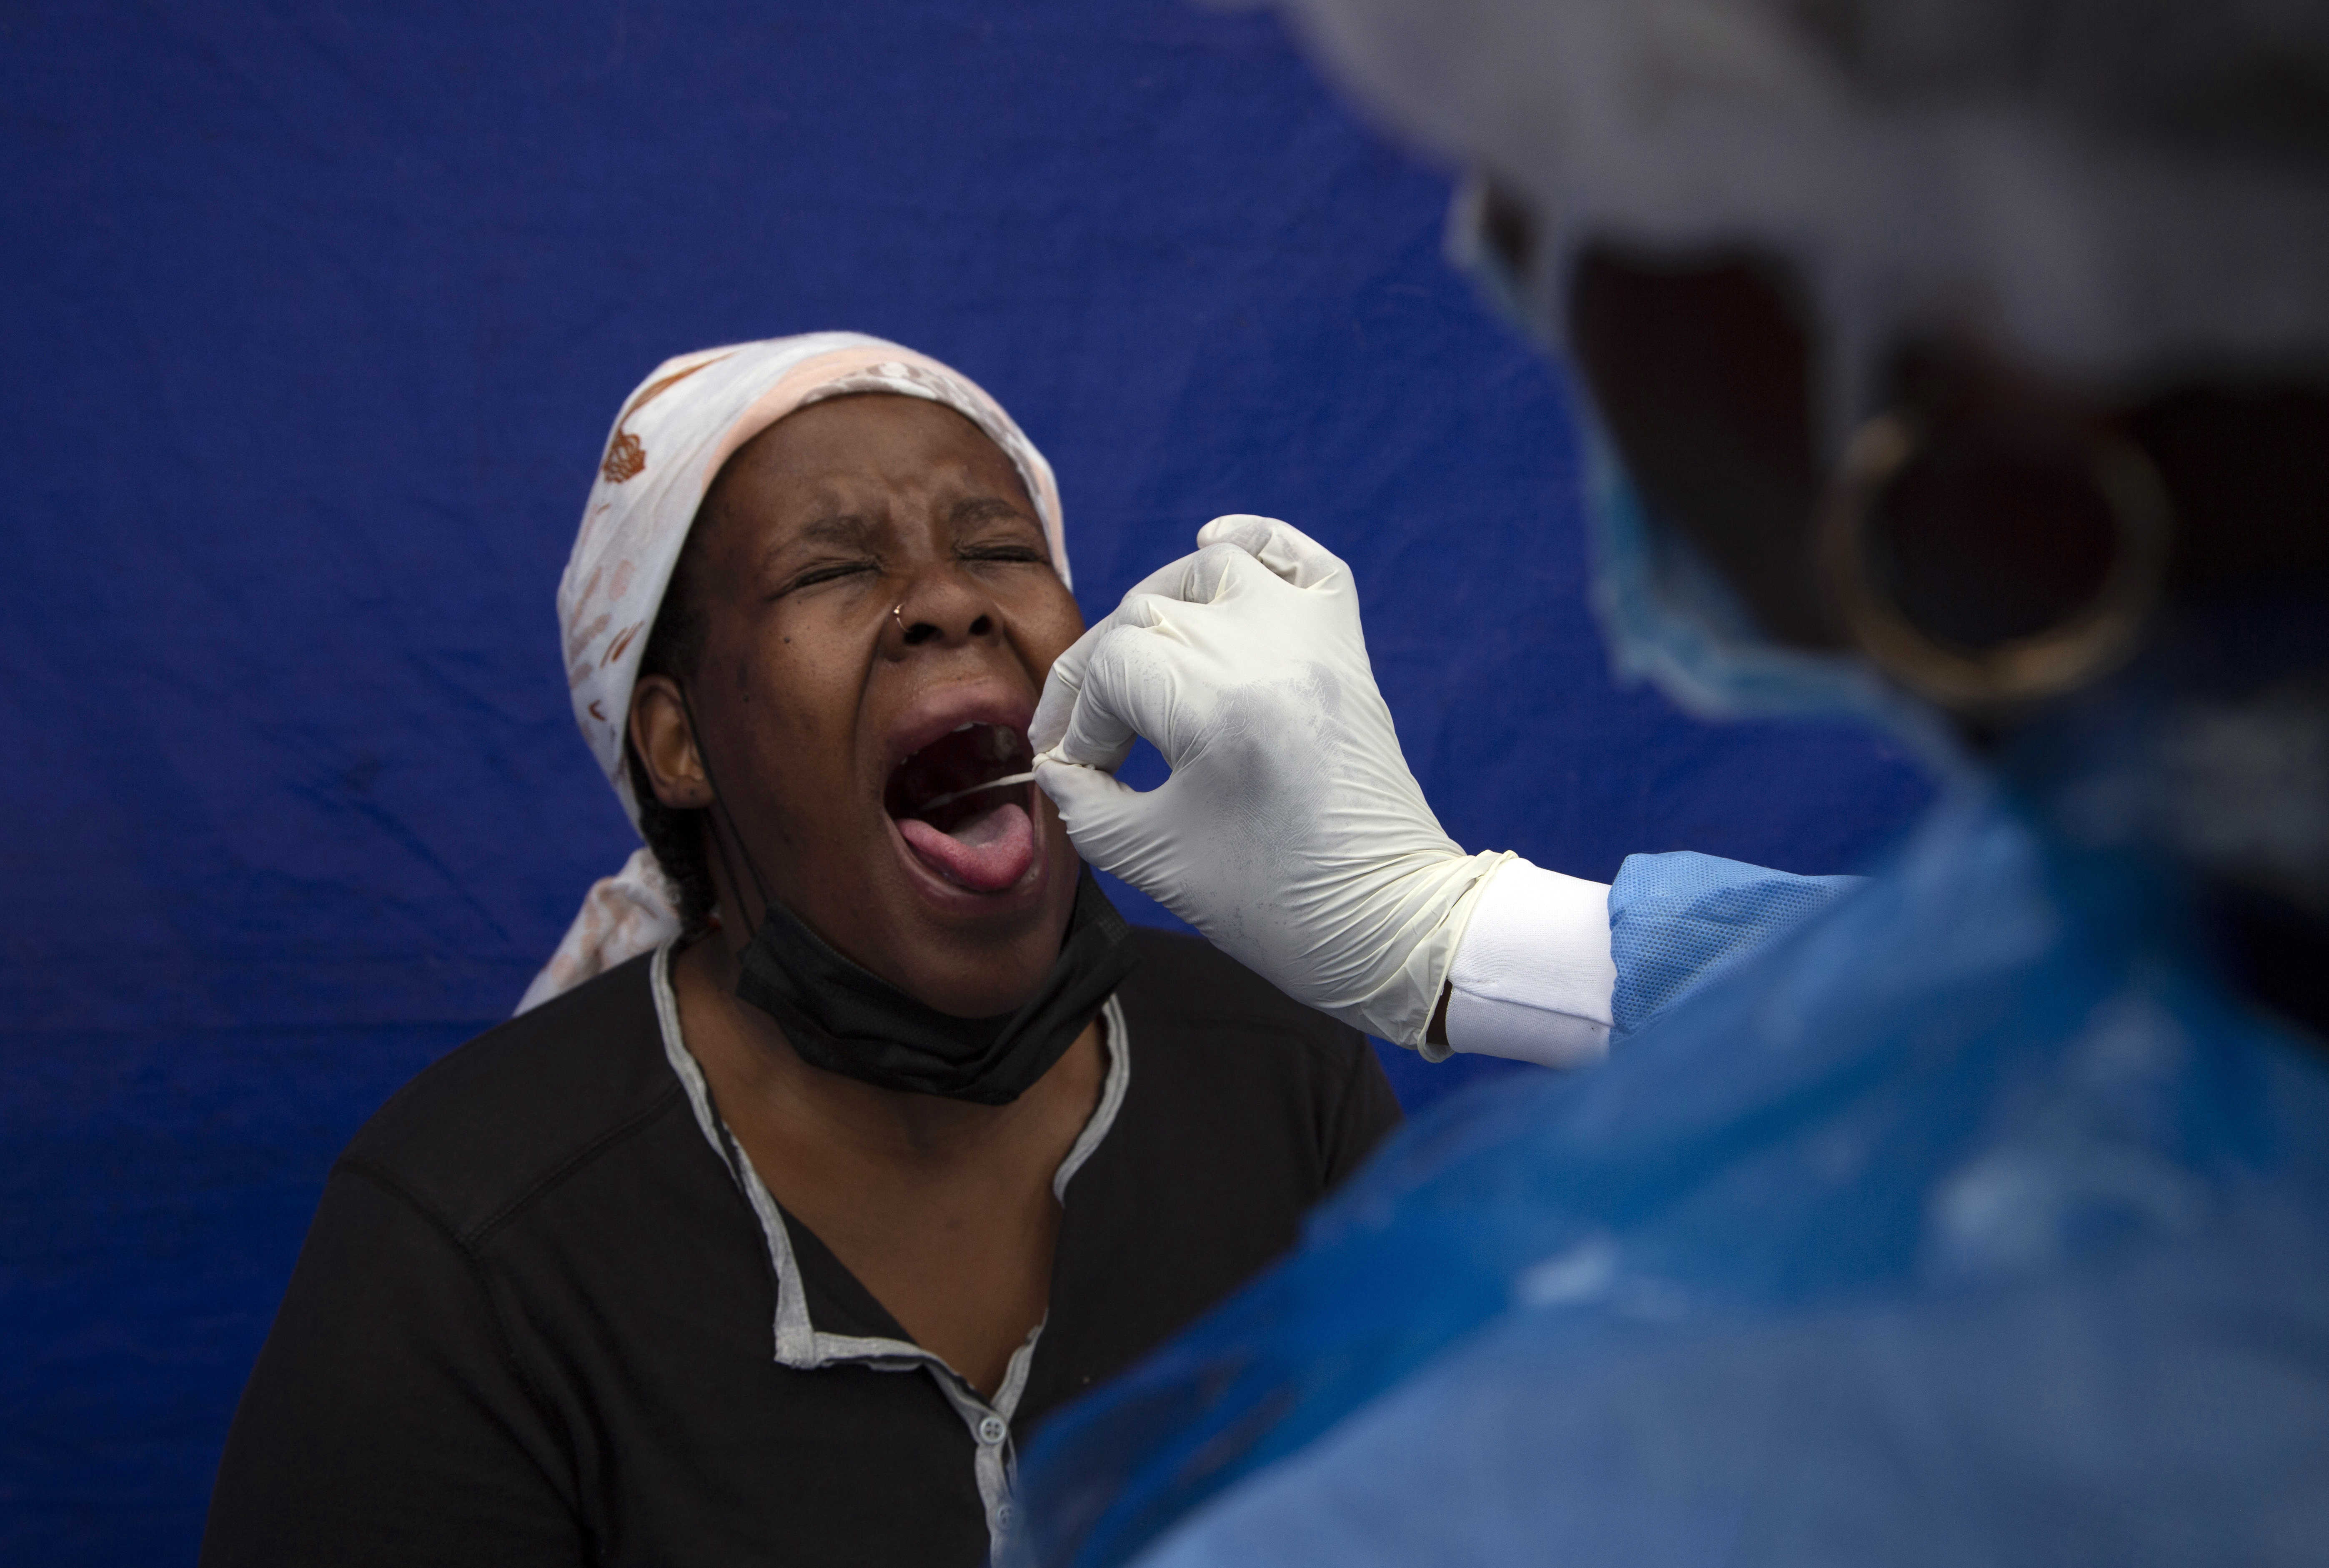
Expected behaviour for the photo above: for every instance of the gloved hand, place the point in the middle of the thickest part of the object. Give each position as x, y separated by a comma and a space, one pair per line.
1290, 833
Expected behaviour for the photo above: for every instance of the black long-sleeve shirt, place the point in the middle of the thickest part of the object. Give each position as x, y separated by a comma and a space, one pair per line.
548, 1314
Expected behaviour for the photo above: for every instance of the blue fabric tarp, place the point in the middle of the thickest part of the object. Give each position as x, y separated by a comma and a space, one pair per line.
316, 321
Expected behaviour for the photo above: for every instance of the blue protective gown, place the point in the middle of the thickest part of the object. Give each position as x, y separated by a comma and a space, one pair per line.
1970, 1219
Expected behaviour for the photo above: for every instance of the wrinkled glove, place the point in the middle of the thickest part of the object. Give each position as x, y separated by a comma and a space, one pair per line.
1290, 833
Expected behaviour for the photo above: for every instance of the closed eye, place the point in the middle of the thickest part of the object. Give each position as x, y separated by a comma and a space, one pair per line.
833, 573
1027, 553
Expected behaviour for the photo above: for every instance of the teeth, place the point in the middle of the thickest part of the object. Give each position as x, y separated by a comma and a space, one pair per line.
949, 800
965, 724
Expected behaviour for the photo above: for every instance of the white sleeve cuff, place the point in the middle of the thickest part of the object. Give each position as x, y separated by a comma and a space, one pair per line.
1532, 975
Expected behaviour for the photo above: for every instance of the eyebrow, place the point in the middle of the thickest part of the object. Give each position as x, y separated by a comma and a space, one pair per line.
837, 528
856, 528
979, 508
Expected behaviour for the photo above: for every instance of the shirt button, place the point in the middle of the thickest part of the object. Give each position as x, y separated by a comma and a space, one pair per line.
992, 1430
1002, 1516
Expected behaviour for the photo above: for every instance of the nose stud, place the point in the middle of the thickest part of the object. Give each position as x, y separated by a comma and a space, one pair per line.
896, 617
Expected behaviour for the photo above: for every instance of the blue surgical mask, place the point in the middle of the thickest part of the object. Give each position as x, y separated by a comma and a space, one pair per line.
1667, 617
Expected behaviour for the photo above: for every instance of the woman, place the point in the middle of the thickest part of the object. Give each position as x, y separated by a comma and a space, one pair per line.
849, 1132
1962, 365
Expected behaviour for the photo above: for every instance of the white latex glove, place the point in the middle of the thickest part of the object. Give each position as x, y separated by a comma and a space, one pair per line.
1290, 833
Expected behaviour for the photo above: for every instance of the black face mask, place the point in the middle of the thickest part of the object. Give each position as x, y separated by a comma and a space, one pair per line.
849, 1020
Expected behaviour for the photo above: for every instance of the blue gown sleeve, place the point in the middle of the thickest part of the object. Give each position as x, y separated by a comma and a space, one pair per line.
1678, 920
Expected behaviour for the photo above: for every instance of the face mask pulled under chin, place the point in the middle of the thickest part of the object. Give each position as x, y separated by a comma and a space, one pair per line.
849, 1020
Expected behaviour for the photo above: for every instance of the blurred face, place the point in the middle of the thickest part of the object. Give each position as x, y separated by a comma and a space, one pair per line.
1702, 376
1704, 372
880, 611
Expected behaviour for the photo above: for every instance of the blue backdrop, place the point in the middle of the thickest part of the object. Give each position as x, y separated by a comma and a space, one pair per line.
315, 316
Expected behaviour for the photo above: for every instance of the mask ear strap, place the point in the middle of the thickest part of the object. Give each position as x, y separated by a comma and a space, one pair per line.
721, 813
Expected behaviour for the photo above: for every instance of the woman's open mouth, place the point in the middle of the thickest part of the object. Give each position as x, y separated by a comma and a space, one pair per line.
961, 804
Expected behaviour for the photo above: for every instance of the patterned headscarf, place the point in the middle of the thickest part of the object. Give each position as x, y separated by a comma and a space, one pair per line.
668, 444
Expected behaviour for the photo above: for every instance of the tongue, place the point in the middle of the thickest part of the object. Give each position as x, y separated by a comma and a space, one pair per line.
987, 854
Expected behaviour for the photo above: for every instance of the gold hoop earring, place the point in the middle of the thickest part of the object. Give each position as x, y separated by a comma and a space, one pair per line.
2091, 643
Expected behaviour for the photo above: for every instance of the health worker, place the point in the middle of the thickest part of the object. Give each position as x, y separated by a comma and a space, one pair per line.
1964, 366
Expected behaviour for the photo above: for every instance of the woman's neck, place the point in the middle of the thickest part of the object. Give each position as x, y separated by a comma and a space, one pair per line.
753, 1055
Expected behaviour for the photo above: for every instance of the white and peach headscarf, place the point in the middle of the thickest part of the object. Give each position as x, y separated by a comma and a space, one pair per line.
667, 445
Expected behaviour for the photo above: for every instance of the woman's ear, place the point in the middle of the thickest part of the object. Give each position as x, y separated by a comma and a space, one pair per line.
665, 742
